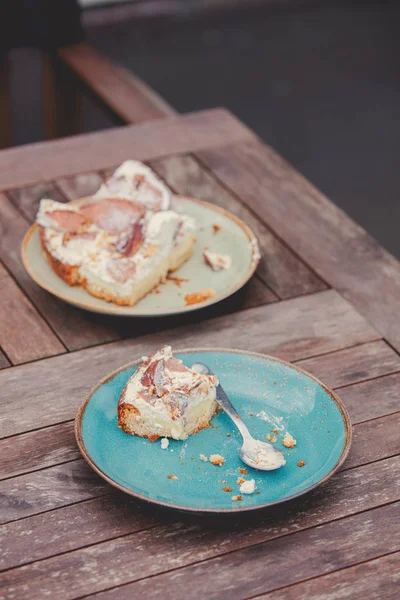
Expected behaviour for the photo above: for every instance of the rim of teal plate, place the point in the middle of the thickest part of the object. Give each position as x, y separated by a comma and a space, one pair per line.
334, 397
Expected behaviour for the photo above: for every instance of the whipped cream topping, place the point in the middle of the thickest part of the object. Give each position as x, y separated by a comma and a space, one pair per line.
264, 456
135, 181
248, 487
216, 262
164, 385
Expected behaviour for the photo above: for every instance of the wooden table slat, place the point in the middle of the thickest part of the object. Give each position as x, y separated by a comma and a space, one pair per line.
4, 362
366, 448
280, 269
79, 186
292, 329
259, 569
76, 328
27, 199
353, 365
44, 161
376, 578
336, 247
176, 545
24, 335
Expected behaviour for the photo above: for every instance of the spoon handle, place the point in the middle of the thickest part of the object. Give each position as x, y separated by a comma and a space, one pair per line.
230, 410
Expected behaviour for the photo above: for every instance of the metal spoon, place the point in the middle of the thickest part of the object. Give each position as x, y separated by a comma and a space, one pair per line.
256, 454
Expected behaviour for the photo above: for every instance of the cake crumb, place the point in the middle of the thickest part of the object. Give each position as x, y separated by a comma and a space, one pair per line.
258, 493
164, 443
217, 460
271, 438
288, 440
243, 471
228, 435
240, 480
248, 487
276, 431
301, 463
216, 228
251, 414
198, 297
227, 488
236, 498
172, 476
203, 457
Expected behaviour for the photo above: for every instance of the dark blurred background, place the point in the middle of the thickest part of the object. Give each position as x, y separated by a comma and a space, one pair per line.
318, 81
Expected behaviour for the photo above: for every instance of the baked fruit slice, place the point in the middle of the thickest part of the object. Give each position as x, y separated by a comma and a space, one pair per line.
114, 248
164, 398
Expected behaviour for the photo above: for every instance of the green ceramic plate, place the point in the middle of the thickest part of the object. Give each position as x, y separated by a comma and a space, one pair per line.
234, 239
267, 392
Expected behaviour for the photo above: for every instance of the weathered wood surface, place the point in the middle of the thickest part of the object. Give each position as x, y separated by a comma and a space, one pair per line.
293, 329
24, 335
27, 199
69, 534
366, 448
279, 268
258, 569
246, 551
76, 328
4, 362
131, 99
324, 236
79, 186
377, 578
353, 365
43, 161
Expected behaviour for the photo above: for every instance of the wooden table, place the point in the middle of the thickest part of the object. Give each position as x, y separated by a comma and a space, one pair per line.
326, 296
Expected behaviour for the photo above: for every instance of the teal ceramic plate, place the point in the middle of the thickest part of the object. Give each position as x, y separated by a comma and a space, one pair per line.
234, 239
267, 393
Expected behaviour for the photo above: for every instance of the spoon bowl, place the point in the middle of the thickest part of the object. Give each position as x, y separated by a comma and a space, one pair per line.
254, 453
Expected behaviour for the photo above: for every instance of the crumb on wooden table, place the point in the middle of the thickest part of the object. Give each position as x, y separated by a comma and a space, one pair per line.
217, 459
237, 498
198, 297
172, 476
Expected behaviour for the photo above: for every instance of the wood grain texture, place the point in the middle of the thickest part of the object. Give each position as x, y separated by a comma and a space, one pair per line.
374, 440
130, 98
72, 527
366, 446
336, 247
79, 186
377, 578
353, 364
76, 328
177, 545
24, 335
258, 569
373, 398
279, 268
48, 489
38, 450
44, 161
292, 329
4, 362
28, 199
